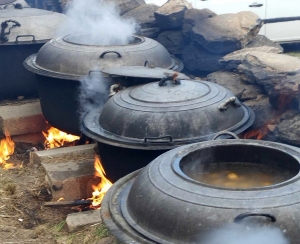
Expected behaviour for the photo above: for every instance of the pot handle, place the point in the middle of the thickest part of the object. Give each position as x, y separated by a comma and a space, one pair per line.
225, 133
146, 140
106, 52
95, 71
231, 100
241, 216
17, 38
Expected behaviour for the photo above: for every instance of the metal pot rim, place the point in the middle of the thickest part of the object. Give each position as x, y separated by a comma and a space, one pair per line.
114, 204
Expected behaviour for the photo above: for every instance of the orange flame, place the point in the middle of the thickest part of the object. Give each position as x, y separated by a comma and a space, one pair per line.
56, 138
102, 187
7, 148
257, 134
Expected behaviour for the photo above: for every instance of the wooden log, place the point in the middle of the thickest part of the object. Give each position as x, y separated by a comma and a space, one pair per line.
68, 203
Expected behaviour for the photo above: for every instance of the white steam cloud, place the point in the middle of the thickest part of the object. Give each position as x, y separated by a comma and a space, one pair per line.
93, 93
240, 234
100, 20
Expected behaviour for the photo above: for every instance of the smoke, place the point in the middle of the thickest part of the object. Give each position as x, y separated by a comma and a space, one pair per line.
241, 234
99, 21
93, 93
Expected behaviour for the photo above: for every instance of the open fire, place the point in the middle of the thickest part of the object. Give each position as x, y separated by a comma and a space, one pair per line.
56, 138
102, 187
7, 148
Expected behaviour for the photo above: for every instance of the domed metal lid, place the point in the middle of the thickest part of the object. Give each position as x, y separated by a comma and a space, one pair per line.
161, 117
162, 204
79, 58
31, 25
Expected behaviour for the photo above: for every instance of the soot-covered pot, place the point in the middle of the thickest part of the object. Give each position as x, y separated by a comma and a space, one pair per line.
23, 32
189, 192
63, 62
139, 123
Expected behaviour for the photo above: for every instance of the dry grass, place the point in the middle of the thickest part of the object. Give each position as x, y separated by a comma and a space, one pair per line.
24, 219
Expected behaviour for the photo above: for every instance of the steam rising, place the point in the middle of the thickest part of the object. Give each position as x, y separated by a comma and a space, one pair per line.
101, 22
241, 234
93, 93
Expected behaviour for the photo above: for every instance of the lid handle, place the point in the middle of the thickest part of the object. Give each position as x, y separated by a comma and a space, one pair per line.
148, 65
241, 216
91, 72
33, 38
172, 77
231, 100
225, 132
106, 52
170, 142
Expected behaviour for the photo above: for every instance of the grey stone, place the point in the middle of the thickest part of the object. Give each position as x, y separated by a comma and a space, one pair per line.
261, 40
143, 15
170, 15
234, 83
268, 69
193, 17
285, 94
127, 5
149, 32
77, 221
226, 33
231, 61
172, 41
288, 128
197, 60
263, 110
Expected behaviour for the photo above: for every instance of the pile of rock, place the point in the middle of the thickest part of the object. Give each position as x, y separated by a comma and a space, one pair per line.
227, 46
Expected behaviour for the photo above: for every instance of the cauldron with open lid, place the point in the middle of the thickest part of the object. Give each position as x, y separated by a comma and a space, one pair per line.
63, 62
139, 123
23, 32
177, 198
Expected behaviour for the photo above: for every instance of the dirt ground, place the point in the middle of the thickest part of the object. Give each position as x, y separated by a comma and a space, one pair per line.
24, 219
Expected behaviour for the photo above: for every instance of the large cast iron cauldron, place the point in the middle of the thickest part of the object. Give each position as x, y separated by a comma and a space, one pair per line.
172, 200
139, 123
63, 62
31, 29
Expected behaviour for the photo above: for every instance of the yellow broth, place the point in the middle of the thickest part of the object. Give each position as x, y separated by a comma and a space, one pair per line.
242, 175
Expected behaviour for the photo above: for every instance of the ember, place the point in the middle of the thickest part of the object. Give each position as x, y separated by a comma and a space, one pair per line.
7, 147
56, 138
102, 187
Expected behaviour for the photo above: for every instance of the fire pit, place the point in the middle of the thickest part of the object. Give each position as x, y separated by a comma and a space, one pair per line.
64, 61
139, 123
31, 28
170, 201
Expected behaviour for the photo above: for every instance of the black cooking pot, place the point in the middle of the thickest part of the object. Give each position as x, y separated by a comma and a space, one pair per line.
139, 123
32, 28
178, 197
63, 62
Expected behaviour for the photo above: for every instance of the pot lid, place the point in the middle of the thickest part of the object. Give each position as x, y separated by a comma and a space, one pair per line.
162, 204
31, 25
79, 58
141, 72
152, 117
3, 2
